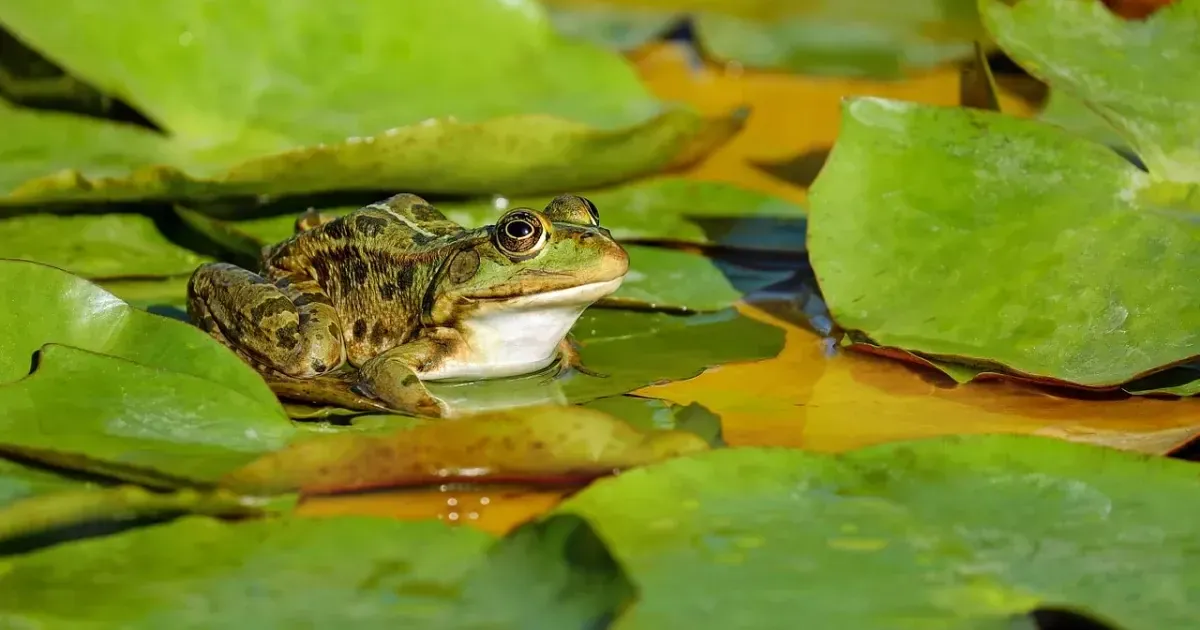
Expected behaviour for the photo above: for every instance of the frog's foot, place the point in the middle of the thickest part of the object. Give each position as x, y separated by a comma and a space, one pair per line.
260, 320
570, 359
388, 378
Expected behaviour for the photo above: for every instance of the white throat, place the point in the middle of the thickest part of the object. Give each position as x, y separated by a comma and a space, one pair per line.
519, 336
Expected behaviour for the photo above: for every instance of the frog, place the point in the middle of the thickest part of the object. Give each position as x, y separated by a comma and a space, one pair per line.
394, 295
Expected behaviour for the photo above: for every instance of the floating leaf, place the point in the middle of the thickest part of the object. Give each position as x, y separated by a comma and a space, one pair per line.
932, 187
548, 444
130, 414
1074, 115
47, 305
366, 572
956, 532
18, 482
96, 246
233, 132
846, 38
49, 512
1139, 75
667, 209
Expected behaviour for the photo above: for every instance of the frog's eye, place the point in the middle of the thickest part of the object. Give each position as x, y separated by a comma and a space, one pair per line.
573, 209
520, 234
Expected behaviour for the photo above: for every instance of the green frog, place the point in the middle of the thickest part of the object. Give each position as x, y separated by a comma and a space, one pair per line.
396, 294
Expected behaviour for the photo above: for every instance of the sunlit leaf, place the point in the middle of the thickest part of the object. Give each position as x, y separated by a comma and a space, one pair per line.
79, 403
560, 113
42, 305
96, 246
956, 532
1139, 75
912, 194
50, 511
548, 444
844, 38
365, 572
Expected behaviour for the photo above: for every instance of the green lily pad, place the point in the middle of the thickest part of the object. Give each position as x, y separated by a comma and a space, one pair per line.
962, 532
47, 305
670, 209
560, 113
1138, 74
18, 481
53, 511
647, 414
548, 444
864, 38
911, 196
96, 246
1074, 115
659, 278
114, 411
329, 572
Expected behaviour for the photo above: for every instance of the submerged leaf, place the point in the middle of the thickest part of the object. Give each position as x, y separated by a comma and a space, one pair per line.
958, 532
119, 412
912, 194
1139, 75
548, 443
560, 113
96, 246
323, 572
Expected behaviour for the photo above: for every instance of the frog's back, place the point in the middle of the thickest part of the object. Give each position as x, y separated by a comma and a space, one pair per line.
375, 265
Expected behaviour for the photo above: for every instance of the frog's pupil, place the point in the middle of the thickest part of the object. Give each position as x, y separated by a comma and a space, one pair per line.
518, 229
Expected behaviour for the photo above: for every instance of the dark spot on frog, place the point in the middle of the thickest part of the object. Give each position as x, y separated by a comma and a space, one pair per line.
317, 365
425, 212
537, 445
360, 329
287, 337
378, 333
353, 272
267, 308
369, 225
404, 279
409, 380
387, 291
337, 229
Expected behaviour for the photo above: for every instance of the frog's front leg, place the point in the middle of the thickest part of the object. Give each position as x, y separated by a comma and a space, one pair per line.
290, 328
569, 358
392, 376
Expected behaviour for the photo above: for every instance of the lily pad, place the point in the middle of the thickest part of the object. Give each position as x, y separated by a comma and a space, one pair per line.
548, 444
48, 305
18, 481
328, 572
670, 209
96, 246
830, 37
1074, 115
648, 414
659, 278
1138, 74
955, 532
111, 410
912, 194
561, 113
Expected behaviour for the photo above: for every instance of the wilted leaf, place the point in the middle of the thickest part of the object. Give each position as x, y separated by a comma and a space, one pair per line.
44, 305
855, 38
912, 194
287, 123
82, 404
957, 532
546, 444
1139, 75
281, 573
96, 246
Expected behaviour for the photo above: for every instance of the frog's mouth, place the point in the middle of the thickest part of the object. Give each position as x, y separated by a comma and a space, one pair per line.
581, 295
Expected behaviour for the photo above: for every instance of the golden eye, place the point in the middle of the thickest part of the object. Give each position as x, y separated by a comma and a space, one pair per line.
520, 233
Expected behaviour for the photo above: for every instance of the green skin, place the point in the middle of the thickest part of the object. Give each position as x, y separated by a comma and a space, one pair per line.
401, 294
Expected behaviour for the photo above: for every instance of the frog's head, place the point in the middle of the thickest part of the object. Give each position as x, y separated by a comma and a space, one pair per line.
532, 261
